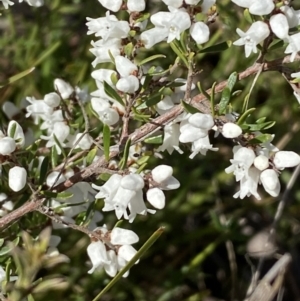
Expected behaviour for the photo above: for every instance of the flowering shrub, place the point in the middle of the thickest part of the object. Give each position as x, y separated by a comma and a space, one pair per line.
71, 155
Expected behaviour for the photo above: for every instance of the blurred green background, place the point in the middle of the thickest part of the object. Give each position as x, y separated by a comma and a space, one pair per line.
203, 222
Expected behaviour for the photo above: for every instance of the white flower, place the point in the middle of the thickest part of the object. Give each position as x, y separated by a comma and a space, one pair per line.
248, 184
114, 5
257, 32
102, 50
15, 131
156, 198
202, 145
173, 3
200, 32
37, 109
108, 27
291, 15
98, 256
109, 189
124, 66
257, 7
53, 178
175, 21
52, 99
63, 88
129, 84
6, 3
270, 182
121, 236
17, 177
171, 139
7, 146
284, 159
242, 160
153, 36
280, 26
231, 130
261, 162
136, 5
294, 45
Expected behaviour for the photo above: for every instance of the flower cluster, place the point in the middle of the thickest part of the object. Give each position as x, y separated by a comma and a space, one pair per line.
279, 23
113, 251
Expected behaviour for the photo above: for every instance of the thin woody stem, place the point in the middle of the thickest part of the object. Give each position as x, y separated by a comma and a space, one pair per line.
98, 167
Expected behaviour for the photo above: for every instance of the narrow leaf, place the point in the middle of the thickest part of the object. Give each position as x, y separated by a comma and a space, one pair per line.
91, 156
44, 170
106, 141
112, 93
126, 154
151, 58
54, 156
179, 53
226, 93
189, 108
261, 139
16, 77
243, 118
136, 257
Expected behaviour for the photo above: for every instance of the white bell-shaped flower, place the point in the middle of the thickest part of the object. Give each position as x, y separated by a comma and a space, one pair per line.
109, 189
257, 32
111, 5
119, 236
133, 182
294, 45
153, 36
291, 15
190, 133
15, 131
55, 177
52, 99
161, 173
98, 255
111, 268
205, 5
171, 139
126, 252
248, 184
104, 75
200, 32
7, 146
129, 84
243, 158
231, 130
285, 159
102, 50
260, 8
84, 142
202, 145
270, 182
173, 3
280, 26
202, 121
261, 162
17, 178
136, 5
124, 66
156, 198
63, 88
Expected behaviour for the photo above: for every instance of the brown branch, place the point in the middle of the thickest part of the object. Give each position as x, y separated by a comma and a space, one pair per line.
98, 167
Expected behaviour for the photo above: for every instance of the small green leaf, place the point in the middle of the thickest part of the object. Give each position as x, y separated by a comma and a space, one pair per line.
189, 108
216, 48
226, 93
91, 156
112, 93
153, 100
261, 139
243, 118
106, 141
276, 44
60, 146
261, 126
143, 17
151, 58
126, 154
43, 171
7, 248
199, 86
154, 140
179, 53
16, 77
64, 195
128, 49
248, 16
54, 156
114, 78
143, 160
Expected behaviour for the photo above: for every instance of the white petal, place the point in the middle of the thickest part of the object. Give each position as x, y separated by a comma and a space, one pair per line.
97, 253
7, 146
64, 88
284, 159
203, 121
132, 182
123, 237
161, 173
17, 178
126, 252
231, 130
156, 198
261, 162
270, 182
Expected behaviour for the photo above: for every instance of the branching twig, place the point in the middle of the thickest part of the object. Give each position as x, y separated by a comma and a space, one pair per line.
96, 168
